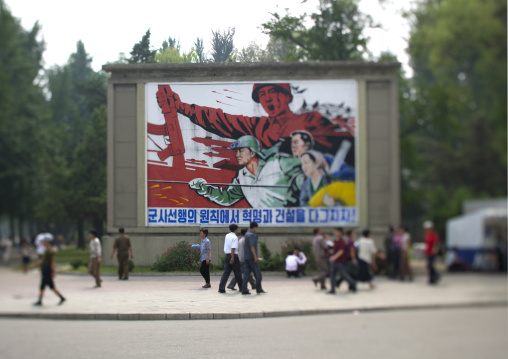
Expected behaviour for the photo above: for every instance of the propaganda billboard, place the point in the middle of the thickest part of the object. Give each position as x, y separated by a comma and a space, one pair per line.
279, 153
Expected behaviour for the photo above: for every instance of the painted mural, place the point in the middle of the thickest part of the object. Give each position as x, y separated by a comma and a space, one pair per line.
278, 153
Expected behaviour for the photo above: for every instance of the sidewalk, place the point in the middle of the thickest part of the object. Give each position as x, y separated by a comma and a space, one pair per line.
179, 297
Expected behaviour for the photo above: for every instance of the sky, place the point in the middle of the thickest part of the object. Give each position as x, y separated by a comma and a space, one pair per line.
110, 27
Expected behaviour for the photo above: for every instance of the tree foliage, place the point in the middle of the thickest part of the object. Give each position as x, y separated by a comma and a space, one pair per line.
453, 110
23, 117
336, 33
171, 55
222, 45
200, 50
68, 195
170, 43
141, 53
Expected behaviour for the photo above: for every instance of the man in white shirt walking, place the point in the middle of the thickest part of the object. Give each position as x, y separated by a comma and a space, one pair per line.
95, 258
241, 251
231, 262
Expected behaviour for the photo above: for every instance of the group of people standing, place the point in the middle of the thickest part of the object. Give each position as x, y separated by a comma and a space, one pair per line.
398, 244
354, 260
241, 258
350, 258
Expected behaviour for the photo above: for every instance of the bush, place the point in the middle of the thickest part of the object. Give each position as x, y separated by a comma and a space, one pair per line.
221, 262
269, 263
76, 263
180, 257
265, 252
131, 265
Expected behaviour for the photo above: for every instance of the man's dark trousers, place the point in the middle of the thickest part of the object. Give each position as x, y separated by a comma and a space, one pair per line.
228, 267
251, 266
123, 265
433, 274
205, 271
252, 282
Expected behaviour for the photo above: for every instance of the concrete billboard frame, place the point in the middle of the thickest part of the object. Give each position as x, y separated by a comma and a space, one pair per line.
378, 143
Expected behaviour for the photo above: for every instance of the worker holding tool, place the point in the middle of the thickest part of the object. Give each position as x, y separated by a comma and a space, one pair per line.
266, 179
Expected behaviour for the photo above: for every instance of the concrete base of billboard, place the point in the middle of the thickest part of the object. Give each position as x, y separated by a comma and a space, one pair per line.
147, 247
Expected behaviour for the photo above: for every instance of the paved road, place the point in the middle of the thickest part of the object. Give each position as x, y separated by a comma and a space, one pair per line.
440, 333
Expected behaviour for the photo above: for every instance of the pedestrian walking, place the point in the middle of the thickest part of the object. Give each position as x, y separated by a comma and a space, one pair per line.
39, 242
405, 267
320, 252
25, 255
94, 263
231, 261
122, 244
241, 256
388, 252
206, 255
395, 251
367, 252
48, 270
6, 245
338, 261
351, 257
432, 250
251, 259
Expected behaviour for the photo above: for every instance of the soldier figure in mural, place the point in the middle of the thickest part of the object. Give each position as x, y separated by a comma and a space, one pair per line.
266, 179
268, 130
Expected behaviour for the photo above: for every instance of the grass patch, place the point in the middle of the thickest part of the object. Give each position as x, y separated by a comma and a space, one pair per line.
109, 269
71, 254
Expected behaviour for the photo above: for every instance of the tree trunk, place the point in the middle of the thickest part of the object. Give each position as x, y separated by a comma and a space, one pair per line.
12, 227
20, 229
98, 225
81, 235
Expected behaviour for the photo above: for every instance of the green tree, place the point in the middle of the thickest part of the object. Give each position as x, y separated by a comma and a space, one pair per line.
252, 53
453, 113
171, 55
76, 91
279, 50
23, 118
90, 171
222, 45
336, 32
170, 43
200, 50
141, 53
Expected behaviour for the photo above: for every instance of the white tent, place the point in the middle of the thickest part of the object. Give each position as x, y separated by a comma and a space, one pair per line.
471, 230
478, 235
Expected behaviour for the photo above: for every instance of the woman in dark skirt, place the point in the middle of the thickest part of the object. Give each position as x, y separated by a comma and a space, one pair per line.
366, 252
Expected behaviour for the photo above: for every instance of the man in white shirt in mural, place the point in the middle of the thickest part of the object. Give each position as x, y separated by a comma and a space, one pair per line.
265, 180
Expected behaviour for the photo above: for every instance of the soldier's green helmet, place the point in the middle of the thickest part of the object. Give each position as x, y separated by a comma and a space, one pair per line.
247, 141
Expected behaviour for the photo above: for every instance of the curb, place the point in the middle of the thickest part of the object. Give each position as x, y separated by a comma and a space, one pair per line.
209, 316
170, 274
